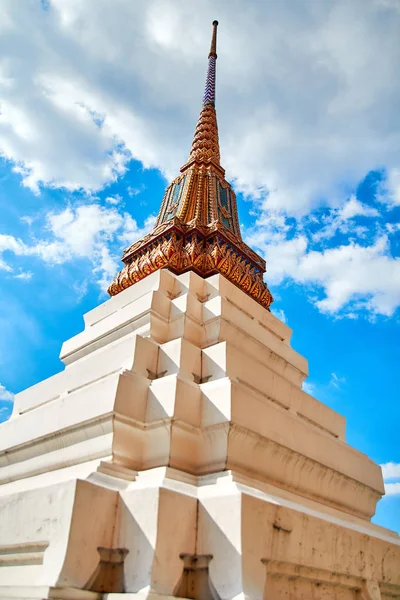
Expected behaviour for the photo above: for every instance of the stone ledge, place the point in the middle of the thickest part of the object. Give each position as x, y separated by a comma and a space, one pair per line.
29, 553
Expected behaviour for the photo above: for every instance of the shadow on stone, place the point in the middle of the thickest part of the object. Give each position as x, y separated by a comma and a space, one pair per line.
109, 574
195, 581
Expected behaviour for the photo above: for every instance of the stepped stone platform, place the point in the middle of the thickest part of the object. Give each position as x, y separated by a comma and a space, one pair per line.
177, 455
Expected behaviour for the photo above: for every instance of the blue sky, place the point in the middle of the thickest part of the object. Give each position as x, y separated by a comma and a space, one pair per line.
98, 106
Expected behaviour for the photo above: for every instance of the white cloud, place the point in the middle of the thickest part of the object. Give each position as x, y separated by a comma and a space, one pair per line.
25, 275
279, 314
307, 96
353, 272
393, 227
80, 288
82, 232
337, 381
135, 191
391, 470
392, 489
8, 242
283, 255
4, 266
352, 276
78, 231
28, 220
341, 220
354, 208
132, 232
5, 395
5, 411
390, 188
107, 267
114, 200
309, 388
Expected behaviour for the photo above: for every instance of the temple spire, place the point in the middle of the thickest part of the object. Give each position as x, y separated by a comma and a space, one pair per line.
197, 227
205, 145
213, 48
209, 92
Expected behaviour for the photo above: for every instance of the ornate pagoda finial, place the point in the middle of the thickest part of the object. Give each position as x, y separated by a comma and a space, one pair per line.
213, 48
205, 144
209, 92
197, 227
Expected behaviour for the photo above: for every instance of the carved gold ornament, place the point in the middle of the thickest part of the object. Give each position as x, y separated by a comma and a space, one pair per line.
197, 227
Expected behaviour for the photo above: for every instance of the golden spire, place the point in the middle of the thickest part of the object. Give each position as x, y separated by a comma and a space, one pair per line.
197, 227
205, 146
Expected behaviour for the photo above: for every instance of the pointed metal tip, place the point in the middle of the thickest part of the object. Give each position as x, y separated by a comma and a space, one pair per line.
213, 49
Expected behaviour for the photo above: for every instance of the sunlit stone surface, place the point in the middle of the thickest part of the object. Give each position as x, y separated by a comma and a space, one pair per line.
176, 454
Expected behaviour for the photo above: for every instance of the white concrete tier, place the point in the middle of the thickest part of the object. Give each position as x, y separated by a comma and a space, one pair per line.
189, 373
177, 454
242, 538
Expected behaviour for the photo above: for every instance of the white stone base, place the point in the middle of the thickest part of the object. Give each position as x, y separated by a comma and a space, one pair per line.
177, 456
258, 540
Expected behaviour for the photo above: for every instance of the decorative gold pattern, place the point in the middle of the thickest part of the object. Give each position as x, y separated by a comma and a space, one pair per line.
197, 227
205, 250
205, 146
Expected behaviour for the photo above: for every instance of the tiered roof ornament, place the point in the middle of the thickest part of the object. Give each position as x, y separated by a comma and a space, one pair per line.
197, 227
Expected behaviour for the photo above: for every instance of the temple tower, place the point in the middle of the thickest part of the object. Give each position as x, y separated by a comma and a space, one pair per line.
177, 455
197, 228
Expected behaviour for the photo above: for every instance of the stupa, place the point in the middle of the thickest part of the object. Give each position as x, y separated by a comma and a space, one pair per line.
177, 455
197, 228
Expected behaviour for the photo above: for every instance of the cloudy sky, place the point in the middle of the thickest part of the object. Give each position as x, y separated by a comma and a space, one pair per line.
98, 104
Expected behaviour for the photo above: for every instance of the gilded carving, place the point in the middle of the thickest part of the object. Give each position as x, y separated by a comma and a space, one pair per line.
190, 232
